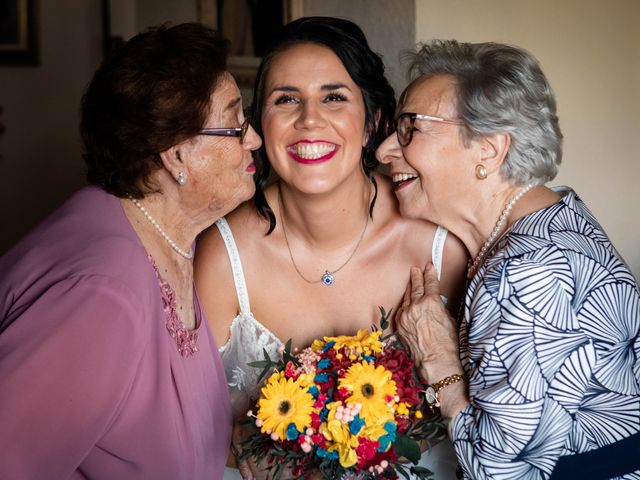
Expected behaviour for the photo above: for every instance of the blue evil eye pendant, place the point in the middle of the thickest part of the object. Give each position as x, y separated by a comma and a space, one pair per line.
327, 279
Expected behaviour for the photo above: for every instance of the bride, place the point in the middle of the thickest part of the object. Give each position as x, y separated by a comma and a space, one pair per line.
325, 245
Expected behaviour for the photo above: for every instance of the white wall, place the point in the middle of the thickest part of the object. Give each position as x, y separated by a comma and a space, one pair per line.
589, 50
41, 163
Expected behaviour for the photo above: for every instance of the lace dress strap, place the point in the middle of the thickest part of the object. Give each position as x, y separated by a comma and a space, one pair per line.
236, 265
437, 249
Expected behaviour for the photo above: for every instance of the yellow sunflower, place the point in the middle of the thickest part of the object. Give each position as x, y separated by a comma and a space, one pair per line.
362, 342
284, 401
372, 387
317, 345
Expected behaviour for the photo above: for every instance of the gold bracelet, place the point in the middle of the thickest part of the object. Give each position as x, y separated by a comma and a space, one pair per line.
432, 392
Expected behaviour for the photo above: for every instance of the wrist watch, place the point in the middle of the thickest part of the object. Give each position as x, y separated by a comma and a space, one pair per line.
432, 392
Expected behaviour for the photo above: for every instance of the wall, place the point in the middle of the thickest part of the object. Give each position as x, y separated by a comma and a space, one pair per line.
389, 27
588, 48
41, 163
156, 12
589, 51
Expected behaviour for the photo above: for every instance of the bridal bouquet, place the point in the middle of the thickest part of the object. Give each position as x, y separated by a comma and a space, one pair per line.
347, 406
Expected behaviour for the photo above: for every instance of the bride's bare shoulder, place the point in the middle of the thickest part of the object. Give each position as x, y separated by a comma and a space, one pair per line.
243, 222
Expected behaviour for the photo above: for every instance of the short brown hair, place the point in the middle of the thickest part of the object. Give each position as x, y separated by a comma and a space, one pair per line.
153, 93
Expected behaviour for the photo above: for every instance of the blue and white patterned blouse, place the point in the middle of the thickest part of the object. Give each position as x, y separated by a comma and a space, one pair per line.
550, 344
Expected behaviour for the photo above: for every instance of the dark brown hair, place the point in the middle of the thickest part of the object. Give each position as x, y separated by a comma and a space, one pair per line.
152, 94
365, 67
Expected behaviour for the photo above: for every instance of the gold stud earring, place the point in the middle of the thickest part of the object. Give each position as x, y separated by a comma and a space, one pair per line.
481, 172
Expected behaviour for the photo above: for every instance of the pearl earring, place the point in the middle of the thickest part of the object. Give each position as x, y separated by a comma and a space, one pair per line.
182, 180
481, 172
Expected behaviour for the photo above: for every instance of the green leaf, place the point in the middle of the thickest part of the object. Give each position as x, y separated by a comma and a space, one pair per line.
421, 472
264, 373
260, 364
384, 318
266, 356
408, 448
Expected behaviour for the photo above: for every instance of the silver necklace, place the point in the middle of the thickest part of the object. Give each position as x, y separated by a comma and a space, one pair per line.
327, 277
152, 221
473, 267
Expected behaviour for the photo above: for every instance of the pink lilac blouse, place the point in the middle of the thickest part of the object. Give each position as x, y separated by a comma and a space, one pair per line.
92, 383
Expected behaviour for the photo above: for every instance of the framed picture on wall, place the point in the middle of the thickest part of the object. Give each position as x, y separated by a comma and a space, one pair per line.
250, 26
18, 33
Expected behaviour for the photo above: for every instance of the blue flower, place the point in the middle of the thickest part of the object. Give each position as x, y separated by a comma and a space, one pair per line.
356, 425
386, 440
328, 345
324, 363
391, 428
324, 413
369, 358
292, 432
322, 453
321, 378
314, 391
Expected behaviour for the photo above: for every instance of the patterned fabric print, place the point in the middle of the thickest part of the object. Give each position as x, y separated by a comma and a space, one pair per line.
550, 342
186, 340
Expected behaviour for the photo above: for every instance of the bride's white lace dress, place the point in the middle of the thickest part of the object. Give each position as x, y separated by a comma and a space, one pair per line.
249, 338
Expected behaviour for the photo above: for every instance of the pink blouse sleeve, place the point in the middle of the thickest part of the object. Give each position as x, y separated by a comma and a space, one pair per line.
66, 366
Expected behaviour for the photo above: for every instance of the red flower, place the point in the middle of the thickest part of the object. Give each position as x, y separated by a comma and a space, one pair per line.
341, 394
315, 421
318, 439
402, 371
402, 424
290, 370
321, 400
366, 451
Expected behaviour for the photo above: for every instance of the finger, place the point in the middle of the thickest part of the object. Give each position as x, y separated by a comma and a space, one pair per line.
406, 300
245, 470
417, 284
431, 284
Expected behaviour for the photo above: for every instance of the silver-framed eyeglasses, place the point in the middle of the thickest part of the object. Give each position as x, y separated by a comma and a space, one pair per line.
406, 125
227, 132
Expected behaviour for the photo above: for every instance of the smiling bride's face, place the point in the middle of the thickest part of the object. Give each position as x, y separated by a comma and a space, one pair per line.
313, 119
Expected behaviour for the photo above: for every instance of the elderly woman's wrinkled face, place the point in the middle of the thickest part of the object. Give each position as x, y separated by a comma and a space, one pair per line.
220, 169
435, 169
313, 119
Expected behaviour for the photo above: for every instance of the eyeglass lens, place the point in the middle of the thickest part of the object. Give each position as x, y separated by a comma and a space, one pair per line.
405, 129
243, 129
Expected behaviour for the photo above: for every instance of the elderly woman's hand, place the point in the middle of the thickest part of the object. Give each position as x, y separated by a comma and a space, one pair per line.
425, 326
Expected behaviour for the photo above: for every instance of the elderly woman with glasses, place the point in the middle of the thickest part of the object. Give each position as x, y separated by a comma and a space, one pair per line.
108, 368
540, 374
